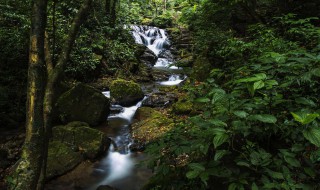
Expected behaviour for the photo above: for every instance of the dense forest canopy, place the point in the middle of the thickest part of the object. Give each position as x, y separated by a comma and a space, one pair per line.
246, 117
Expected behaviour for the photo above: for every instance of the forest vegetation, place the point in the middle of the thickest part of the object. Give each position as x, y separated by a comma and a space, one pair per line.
247, 115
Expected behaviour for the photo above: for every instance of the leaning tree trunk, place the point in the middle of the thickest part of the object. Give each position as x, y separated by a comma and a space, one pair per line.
29, 166
55, 74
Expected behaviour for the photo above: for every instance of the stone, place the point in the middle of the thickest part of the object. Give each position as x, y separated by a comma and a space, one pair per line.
149, 125
90, 142
73, 143
83, 103
166, 54
182, 107
148, 57
159, 99
126, 93
61, 159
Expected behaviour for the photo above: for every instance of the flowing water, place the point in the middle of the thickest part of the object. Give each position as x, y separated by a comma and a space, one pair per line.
119, 168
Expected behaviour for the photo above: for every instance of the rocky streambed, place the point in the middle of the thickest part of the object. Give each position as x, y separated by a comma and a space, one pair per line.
108, 155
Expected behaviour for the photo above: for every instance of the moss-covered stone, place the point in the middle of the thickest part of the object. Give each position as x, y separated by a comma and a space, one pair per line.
201, 68
126, 93
89, 141
150, 125
182, 107
83, 103
61, 159
71, 144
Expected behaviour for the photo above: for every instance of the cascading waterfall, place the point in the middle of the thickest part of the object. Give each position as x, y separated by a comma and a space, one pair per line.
119, 164
158, 42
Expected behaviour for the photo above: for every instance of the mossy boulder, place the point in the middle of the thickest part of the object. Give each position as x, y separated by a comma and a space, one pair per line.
201, 68
126, 93
83, 103
149, 125
61, 159
182, 107
71, 144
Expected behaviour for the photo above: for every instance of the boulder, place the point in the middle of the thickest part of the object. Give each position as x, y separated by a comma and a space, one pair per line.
61, 159
166, 54
159, 99
126, 93
182, 107
83, 103
148, 57
71, 144
89, 141
149, 125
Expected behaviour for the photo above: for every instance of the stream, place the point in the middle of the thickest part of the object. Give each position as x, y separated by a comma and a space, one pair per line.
120, 167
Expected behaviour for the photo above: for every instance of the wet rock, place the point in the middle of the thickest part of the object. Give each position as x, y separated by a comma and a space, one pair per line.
90, 142
166, 54
149, 125
185, 62
159, 99
182, 107
61, 159
126, 93
148, 57
83, 103
73, 143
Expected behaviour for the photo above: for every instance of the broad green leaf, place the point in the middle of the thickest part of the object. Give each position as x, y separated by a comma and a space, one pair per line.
241, 114
312, 135
304, 118
243, 163
204, 177
258, 85
292, 161
218, 130
266, 118
275, 175
219, 139
254, 186
232, 186
197, 166
257, 77
305, 101
192, 174
219, 154
202, 100
310, 172
218, 123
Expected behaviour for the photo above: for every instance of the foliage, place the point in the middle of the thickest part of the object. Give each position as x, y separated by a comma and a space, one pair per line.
258, 126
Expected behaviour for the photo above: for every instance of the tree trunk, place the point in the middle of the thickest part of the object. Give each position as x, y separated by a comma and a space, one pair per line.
29, 166
54, 76
30, 173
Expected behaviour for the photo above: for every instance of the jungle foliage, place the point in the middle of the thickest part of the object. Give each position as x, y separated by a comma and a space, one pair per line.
257, 125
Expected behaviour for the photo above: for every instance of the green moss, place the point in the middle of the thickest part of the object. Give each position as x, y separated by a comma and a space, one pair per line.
83, 103
182, 107
90, 141
151, 125
61, 158
125, 92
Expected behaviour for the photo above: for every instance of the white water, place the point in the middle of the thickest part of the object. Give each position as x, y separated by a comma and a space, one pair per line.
120, 166
120, 163
157, 41
173, 80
